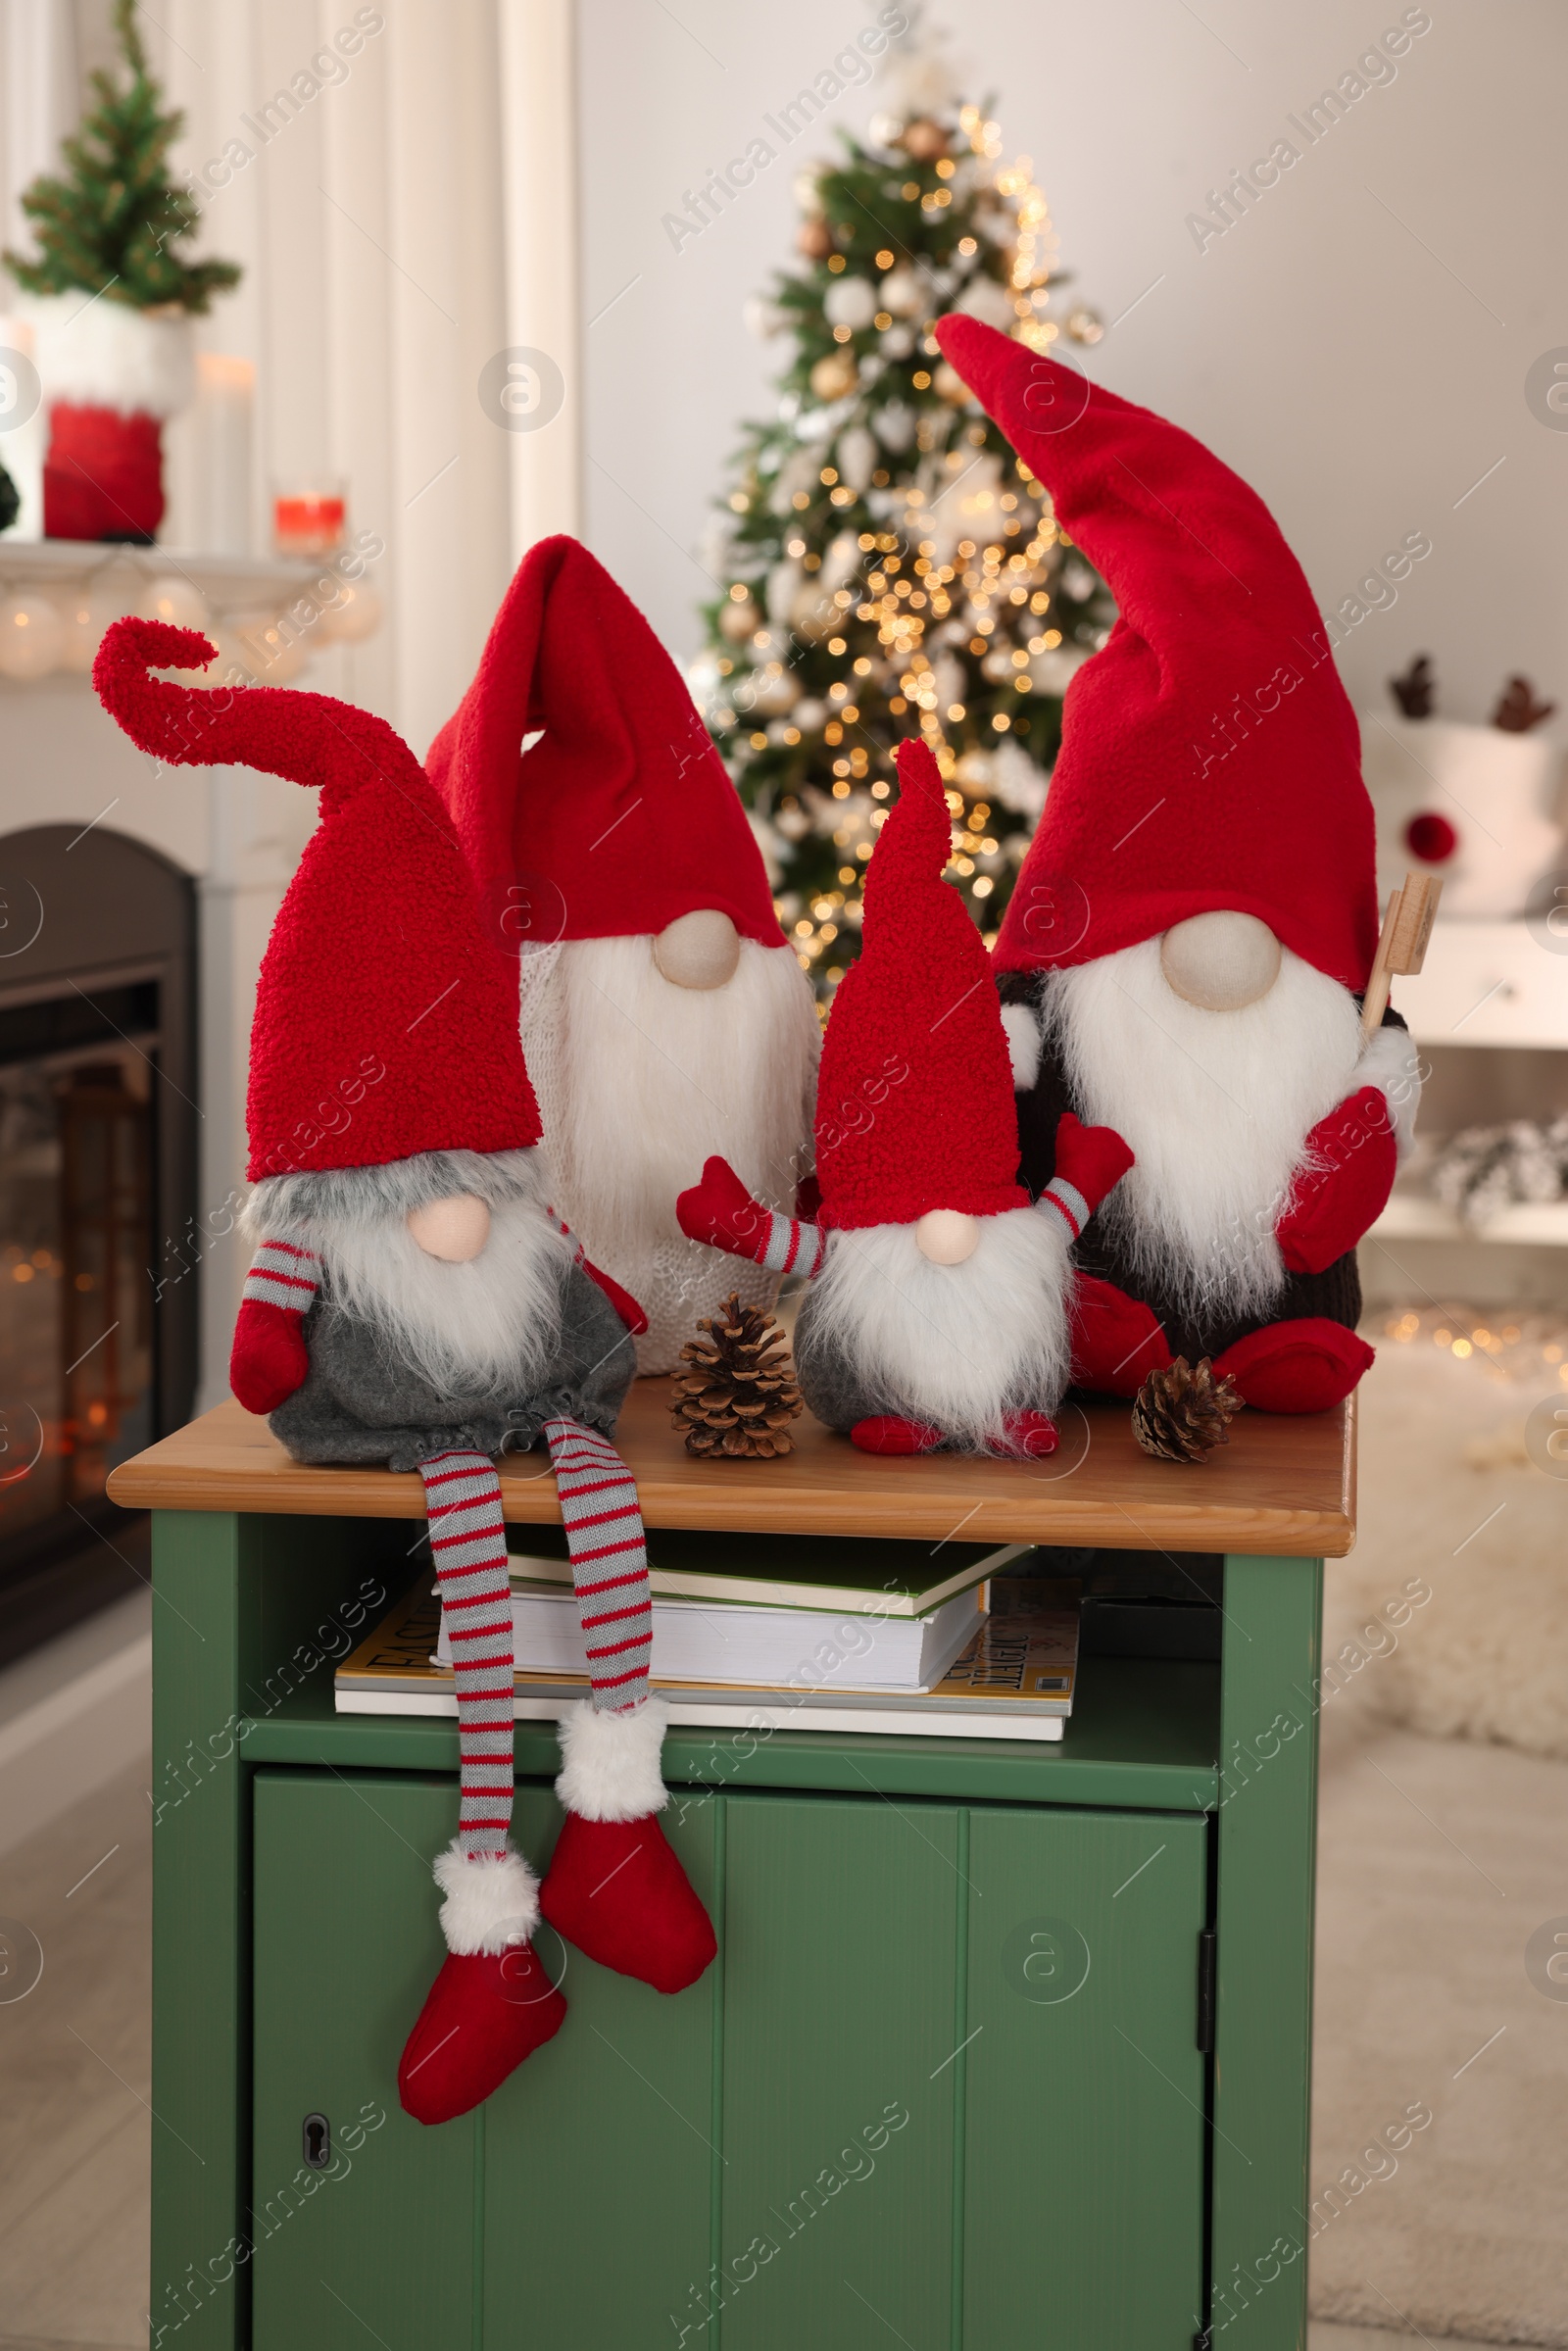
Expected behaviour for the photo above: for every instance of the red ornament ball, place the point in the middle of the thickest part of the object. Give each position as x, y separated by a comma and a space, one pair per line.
1431, 838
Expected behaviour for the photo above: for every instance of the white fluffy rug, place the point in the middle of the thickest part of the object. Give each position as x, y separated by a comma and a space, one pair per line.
1453, 1500
1441, 1855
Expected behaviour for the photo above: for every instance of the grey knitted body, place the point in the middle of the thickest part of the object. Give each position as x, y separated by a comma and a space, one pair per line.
360, 1403
834, 1388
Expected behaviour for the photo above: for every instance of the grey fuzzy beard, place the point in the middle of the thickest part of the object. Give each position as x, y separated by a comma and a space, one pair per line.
476, 1330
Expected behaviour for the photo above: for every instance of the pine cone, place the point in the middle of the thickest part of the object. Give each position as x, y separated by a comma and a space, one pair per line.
740, 1396
1180, 1414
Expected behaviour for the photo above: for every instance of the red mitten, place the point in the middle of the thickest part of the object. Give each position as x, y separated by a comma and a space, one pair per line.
625, 1306
268, 1360
1343, 1185
1093, 1160
723, 1212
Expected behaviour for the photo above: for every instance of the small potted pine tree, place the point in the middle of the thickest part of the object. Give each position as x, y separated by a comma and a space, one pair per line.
111, 302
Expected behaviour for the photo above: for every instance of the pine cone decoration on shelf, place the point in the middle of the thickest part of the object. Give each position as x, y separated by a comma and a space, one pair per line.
1180, 1414
740, 1396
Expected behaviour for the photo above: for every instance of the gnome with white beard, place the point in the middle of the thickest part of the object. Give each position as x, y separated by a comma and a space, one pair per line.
1185, 951
938, 1308
416, 1301
660, 1006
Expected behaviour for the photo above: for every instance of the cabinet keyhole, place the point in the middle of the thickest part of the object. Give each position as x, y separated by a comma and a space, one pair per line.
318, 2134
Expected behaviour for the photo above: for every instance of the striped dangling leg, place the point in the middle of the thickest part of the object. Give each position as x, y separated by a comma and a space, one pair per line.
492, 2003
615, 1888
603, 1524
469, 1543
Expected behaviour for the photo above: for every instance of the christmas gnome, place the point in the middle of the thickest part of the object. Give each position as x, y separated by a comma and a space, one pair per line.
415, 1300
938, 1306
1185, 951
660, 1005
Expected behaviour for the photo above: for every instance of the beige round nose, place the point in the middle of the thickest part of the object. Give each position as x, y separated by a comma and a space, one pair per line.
947, 1236
699, 949
1221, 960
454, 1230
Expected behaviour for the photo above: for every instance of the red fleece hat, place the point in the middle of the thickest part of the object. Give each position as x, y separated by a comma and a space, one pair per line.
621, 818
1209, 756
384, 1023
915, 1106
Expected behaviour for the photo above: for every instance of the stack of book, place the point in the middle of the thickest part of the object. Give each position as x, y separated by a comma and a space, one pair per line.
772, 1633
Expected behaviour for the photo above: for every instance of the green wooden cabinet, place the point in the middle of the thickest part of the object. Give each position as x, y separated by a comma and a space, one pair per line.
943, 2086
944, 2078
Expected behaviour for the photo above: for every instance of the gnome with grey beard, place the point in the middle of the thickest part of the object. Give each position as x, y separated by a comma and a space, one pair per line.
416, 1301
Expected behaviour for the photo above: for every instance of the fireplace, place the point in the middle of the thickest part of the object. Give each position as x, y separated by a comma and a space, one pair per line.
97, 1188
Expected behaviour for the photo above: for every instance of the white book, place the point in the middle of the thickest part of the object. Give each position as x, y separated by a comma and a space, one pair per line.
761, 1719
754, 1647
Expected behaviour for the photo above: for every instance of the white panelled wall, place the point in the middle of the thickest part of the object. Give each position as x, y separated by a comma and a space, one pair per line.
396, 229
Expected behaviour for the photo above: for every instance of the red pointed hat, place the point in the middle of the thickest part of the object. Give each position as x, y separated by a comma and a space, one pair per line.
1209, 756
914, 1099
384, 1022
621, 818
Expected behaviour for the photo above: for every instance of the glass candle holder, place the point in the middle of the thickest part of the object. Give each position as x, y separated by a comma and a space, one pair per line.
308, 516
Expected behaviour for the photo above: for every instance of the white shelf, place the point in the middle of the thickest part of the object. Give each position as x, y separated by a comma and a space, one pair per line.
1410, 1218
229, 582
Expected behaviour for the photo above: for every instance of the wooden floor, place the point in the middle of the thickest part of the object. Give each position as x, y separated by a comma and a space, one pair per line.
74, 2060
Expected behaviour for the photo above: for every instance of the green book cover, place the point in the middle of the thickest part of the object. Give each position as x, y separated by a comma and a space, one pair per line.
849, 1574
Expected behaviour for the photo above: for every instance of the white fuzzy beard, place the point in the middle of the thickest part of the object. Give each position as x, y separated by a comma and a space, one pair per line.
485, 1329
958, 1345
639, 1082
1216, 1107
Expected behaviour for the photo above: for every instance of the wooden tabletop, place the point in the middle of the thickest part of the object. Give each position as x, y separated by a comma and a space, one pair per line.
1282, 1485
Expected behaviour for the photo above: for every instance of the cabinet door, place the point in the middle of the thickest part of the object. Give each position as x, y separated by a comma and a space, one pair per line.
346, 1943
576, 2202
1083, 2091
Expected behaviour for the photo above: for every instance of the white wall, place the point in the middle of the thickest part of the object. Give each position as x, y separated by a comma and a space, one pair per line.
1362, 374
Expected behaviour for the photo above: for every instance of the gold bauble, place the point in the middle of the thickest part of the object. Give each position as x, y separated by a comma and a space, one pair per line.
834, 374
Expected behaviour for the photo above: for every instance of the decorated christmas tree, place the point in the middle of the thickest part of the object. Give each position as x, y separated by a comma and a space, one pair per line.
887, 563
109, 226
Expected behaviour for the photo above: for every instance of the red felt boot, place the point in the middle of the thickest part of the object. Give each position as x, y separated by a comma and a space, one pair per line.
1029, 1436
614, 1888
1116, 1340
1305, 1366
492, 2004
890, 1432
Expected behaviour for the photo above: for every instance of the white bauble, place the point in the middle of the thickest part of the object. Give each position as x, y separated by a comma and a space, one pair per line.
810, 717
850, 302
856, 457
840, 561
33, 637
815, 615
896, 425
783, 587
175, 601
739, 620
1017, 781
949, 676
903, 292
761, 318
983, 298
773, 691
85, 615
898, 342
355, 615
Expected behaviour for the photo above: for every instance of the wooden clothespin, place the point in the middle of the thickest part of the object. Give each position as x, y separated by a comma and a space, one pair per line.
1402, 945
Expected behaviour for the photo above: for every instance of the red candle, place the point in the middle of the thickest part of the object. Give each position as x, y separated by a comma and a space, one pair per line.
307, 520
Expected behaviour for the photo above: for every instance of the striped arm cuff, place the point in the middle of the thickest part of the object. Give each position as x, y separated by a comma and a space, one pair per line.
793, 1247
283, 1275
1069, 1203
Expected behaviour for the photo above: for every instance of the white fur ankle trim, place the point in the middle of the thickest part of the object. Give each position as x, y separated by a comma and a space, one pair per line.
1022, 1024
610, 1762
489, 1903
1390, 1061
